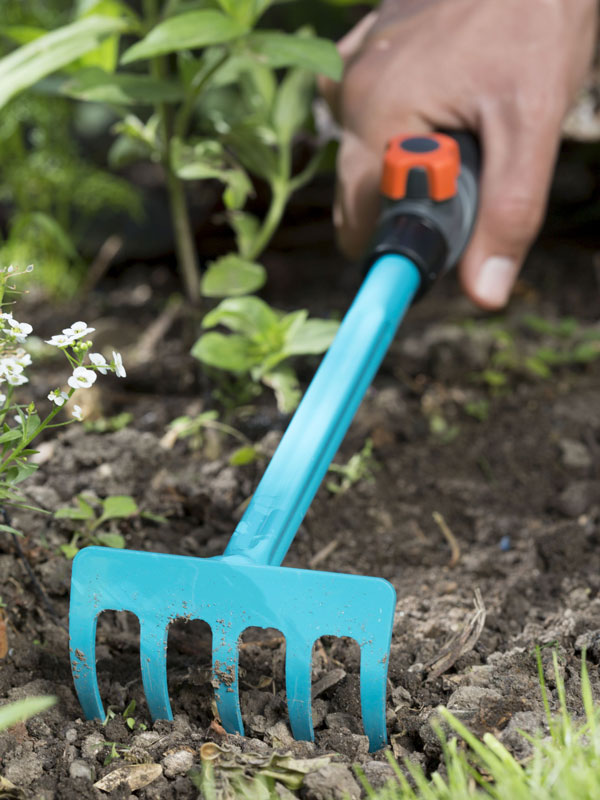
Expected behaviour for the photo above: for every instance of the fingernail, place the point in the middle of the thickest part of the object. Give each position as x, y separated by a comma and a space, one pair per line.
495, 280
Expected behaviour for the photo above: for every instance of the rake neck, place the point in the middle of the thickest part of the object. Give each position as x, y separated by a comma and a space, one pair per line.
316, 430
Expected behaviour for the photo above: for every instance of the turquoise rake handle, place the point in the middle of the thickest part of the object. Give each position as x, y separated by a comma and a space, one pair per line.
312, 438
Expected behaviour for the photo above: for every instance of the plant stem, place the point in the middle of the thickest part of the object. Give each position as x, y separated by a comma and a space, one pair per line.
279, 197
185, 247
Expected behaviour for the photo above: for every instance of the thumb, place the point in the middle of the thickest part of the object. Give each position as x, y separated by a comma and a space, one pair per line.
518, 162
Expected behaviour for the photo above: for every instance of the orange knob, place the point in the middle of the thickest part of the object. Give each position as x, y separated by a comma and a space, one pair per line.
434, 155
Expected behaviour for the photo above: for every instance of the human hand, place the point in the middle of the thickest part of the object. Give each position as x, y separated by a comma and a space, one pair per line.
507, 71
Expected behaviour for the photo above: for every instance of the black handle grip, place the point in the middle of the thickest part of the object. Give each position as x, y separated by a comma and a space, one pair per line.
430, 186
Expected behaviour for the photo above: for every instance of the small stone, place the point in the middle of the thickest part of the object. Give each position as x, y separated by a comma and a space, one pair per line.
24, 770
466, 700
71, 735
81, 769
279, 735
378, 773
92, 746
575, 454
146, 738
576, 498
332, 782
178, 763
331, 678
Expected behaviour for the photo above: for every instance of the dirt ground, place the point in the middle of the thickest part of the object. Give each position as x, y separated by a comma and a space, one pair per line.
480, 504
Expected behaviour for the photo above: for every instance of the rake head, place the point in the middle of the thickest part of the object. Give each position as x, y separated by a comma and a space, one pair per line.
231, 597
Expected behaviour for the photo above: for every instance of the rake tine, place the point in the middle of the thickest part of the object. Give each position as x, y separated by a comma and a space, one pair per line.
83, 660
373, 683
225, 678
153, 662
298, 662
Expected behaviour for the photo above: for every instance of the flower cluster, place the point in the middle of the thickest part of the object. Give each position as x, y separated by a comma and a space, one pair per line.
13, 357
70, 341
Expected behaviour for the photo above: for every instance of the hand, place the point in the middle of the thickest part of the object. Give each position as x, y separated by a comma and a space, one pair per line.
506, 70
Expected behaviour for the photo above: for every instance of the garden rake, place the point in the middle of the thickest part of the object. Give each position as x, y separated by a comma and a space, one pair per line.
430, 189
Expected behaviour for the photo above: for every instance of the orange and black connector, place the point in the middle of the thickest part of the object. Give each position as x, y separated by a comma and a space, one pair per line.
429, 185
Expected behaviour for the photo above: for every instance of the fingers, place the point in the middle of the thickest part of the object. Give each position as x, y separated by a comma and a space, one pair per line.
518, 162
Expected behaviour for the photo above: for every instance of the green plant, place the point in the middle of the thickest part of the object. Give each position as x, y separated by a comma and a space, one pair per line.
195, 428
117, 507
547, 346
214, 106
22, 710
563, 766
20, 423
359, 467
262, 342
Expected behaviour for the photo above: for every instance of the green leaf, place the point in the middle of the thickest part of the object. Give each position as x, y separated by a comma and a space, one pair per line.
252, 150
69, 551
226, 352
250, 316
22, 34
185, 32
106, 55
23, 709
10, 529
245, 12
284, 382
312, 338
11, 436
293, 50
232, 275
292, 103
49, 53
585, 352
111, 540
118, 506
246, 227
243, 455
97, 86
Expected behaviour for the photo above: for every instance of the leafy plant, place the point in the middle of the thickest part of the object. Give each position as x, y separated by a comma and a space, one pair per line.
117, 507
195, 429
212, 106
20, 423
262, 342
359, 467
550, 345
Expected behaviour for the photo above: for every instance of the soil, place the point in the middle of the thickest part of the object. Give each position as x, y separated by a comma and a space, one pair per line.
475, 496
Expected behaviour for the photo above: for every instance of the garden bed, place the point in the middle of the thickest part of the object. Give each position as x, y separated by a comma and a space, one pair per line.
480, 499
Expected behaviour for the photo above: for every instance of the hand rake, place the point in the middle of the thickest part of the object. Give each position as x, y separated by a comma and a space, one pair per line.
424, 228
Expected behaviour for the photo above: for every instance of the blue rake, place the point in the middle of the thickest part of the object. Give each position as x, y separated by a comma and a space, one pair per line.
246, 586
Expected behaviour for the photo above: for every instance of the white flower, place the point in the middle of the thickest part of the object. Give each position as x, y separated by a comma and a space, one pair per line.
119, 368
58, 398
78, 329
99, 361
29, 268
77, 413
6, 315
10, 366
17, 380
60, 340
82, 378
21, 330
10, 269
2, 399
23, 359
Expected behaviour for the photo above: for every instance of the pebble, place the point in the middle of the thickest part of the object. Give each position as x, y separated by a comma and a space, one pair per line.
576, 498
332, 782
178, 763
328, 680
92, 746
339, 719
24, 770
81, 769
575, 454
